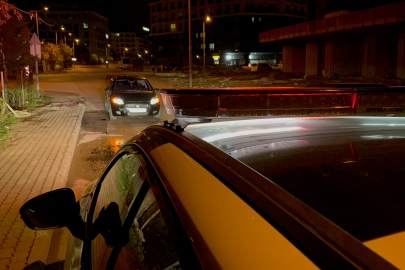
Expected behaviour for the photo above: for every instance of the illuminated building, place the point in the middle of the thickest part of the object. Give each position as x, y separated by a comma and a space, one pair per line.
234, 27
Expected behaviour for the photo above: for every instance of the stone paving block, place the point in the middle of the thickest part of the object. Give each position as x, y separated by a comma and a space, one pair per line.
17, 266
21, 256
24, 246
14, 233
10, 243
4, 264
6, 253
27, 237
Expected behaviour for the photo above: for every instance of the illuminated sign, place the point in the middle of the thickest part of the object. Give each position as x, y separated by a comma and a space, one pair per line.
216, 57
74, 59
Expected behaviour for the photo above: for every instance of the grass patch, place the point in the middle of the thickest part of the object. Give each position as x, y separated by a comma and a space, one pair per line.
6, 122
41, 101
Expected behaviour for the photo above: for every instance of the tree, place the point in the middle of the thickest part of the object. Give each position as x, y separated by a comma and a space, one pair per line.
15, 47
67, 53
51, 54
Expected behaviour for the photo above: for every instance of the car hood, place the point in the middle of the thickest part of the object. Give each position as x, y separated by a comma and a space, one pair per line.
134, 96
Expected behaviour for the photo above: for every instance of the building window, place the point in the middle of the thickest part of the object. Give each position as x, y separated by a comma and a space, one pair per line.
106, 36
202, 12
180, 4
212, 46
180, 15
196, 35
202, 2
86, 43
85, 25
253, 19
173, 27
287, 9
172, 5
173, 16
260, 19
86, 34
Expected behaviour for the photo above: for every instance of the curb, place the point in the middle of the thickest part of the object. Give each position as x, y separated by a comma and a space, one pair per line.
40, 248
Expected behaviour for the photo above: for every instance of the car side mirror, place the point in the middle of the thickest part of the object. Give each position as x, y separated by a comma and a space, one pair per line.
108, 91
51, 210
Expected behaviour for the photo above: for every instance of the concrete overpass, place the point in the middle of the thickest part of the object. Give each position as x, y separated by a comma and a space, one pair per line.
369, 43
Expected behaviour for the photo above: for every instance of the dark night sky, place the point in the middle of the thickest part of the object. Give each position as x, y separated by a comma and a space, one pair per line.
131, 15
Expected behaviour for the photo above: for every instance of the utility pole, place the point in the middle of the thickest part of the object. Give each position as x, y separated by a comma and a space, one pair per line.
35, 51
190, 52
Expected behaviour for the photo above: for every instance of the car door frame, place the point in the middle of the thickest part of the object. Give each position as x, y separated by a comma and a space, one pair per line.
152, 181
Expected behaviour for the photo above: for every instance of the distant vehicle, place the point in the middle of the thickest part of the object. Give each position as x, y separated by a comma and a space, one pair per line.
137, 64
119, 64
277, 66
131, 96
126, 63
260, 67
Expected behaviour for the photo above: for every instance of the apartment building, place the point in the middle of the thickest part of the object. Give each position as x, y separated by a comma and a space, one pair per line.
234, 26
127, 44
85, 28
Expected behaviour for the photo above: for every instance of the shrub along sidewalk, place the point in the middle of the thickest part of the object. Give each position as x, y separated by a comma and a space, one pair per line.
20, 102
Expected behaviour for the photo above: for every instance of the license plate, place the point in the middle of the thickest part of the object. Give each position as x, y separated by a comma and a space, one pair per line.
136, 109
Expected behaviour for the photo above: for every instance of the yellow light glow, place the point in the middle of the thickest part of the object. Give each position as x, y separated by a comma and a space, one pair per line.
63, 28
77, 40
46, 8
126, 49
70, 34
146, 51
208, 19
108, 45
215, 56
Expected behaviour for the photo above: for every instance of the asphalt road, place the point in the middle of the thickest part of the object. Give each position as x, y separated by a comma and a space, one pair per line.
99, 138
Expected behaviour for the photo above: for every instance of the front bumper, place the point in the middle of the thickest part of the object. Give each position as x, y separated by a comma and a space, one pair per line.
135, 109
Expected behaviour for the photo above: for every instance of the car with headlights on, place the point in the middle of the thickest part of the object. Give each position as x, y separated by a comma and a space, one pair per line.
128, 96
322, 190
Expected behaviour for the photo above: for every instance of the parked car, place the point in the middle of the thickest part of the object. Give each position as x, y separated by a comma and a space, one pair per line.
266, 192
131, 96
260, 67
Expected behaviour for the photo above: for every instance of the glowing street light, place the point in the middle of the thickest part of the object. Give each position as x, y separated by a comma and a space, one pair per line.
46, 8
206, 19
70, 34
126, 49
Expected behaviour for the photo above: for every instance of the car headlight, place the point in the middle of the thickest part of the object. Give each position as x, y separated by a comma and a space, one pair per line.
154, 100
118, 101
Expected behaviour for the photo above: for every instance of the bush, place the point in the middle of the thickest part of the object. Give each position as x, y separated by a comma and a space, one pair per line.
15, 96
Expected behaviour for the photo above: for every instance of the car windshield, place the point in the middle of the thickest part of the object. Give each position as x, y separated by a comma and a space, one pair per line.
131, 85
349, 171
126, 61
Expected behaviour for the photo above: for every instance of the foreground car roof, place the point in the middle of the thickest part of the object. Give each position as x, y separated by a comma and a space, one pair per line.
349, 169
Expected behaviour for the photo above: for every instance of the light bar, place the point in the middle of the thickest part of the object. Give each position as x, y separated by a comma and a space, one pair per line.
283, 101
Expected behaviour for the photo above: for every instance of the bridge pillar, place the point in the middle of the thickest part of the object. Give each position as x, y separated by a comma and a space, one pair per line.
368, 66
401, 57
311, 59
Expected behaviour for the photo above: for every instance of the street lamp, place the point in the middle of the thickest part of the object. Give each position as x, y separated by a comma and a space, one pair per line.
126, 49
206, 19
190, 52
46, 8
106, 54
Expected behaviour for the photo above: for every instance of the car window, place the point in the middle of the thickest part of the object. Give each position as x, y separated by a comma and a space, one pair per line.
130, 85
120, 185
150, 243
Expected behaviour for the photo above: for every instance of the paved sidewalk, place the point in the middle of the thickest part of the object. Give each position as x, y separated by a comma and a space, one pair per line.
37, 160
